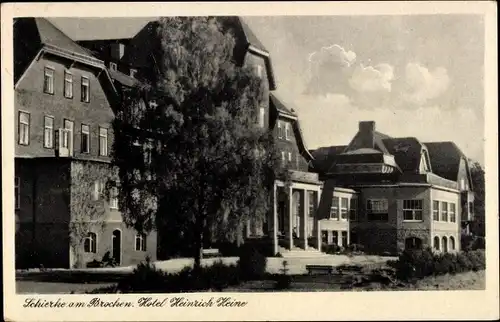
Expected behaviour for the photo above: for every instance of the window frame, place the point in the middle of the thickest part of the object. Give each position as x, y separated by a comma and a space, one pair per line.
71, 134
443, 213
92, 238
280, 129
101, 145
451, 241
46, 130
48, 74
283, 158
66, 86
85, 89
87, 134
370, 212
438, 244
344, 211
353, 209
287, 129
335, 237
142, 238
98, 189
452, 215
21, 125
113, 66
413, 211
335, 209
436, 210
343, 234
113, 198
262, 117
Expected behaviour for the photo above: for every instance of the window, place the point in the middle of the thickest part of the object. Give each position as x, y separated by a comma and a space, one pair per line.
436, 243
24, 128
85, 138
412, 209
113, 198
335, 237
258, 70
289, 157
344, 205
471, 207
452, 213
280, 130
413, 243
312, 203
48, 132
48, 81
262, 117
68, 85
288, 133
103, 141
90, 243
377, 209
462, 184
334, 210
423, 163
68, 135
17, 193
324, 236
85, 89
444, 211
344, 239
452, 243
132, 72
112, 66
445, 244
140, 242
435, 210
283, 160
98, 189
353, 209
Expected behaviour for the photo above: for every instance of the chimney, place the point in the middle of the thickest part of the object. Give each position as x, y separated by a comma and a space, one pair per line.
366, 134
117, 51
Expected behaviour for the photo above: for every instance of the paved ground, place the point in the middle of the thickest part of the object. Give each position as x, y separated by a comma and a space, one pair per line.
53, 281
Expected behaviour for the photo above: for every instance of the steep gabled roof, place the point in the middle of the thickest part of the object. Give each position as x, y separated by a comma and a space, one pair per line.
445, 159
281, 109
378, 138
324, 157
407, 152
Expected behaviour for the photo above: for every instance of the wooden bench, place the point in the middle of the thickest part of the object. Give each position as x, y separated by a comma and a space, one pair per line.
211, 252
321, 269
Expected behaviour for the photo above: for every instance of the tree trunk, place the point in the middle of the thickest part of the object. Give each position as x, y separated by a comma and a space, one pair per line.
198, 247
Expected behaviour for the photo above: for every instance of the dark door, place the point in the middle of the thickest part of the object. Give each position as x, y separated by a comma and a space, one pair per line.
117, 246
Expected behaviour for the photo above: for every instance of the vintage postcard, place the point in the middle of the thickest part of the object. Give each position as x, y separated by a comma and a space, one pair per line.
250, 161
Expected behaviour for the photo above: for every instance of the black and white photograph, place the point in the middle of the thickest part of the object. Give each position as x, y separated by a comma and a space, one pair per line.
268, 153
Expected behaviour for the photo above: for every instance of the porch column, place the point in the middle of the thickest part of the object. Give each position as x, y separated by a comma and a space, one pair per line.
318, 234
303, 218
316, 223
274, 221
290, 219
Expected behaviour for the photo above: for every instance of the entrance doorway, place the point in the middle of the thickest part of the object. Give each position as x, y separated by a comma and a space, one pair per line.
117, 246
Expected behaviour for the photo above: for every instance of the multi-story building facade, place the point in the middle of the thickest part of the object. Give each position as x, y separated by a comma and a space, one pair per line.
64, 101
390, 194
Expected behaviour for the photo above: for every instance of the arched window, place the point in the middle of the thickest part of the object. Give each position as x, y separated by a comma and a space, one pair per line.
413, 243
452, 243
90, 243
436, 242
140, 242
445, 244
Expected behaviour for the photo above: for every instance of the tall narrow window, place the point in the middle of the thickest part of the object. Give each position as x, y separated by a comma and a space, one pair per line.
258, 70
48, 81
335, 237
68, 85
68, 135
103, 141
334, 209
283, 160
444, 211
280, 130
436, 242
17, 192
85, 89
85, 139
289, 157
24, 128
48, 132
452, 213
452, 243
288, 133
98, 189
344, 239
344, 205
412, 209
353, 209
113, 198
90, 243
140, 242
435, 210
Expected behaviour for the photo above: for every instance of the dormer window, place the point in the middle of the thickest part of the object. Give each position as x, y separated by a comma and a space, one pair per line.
133, 72
112, 66
288, 132
258, 71
424, 163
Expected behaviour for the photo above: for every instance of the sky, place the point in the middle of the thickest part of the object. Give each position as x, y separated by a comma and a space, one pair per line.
414, 75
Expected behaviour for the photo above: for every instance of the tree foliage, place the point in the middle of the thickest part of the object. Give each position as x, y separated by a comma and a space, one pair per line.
478, 184
194, 157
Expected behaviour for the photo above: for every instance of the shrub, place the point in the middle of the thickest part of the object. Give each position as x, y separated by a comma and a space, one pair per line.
145, 278
477, 258
479, 243
283, 280
219, 276
330, 248
252, 263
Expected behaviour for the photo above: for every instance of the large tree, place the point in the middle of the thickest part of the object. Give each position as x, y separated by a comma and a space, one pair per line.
477, 174
194, 157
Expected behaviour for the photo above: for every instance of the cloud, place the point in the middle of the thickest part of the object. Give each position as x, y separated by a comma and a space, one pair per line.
330, 68
422, 85
372, 79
